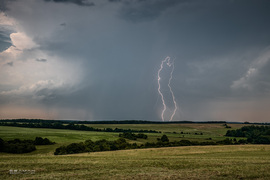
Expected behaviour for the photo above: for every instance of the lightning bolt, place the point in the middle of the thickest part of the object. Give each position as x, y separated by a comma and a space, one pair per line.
160, 93
168, 62
169, 85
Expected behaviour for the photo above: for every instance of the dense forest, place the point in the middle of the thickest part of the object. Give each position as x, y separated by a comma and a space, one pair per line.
70, 126
254, 134
22, 146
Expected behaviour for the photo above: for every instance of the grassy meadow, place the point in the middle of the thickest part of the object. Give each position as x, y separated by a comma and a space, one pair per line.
187, 162
173, 131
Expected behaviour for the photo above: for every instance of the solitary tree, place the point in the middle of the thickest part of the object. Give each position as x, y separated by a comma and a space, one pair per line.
164, 138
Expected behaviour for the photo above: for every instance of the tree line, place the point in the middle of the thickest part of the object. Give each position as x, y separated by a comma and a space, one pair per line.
254, 134
18, 146
132, 136
106, 121
72, 126
121, 143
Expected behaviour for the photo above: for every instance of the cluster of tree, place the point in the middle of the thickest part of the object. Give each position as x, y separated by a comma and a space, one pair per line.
17, 146
72, 126
132, 136
164, 142
196, 133
22, 146
121, 143
91, 146
42, 141
228, 141
254, 134
226, 126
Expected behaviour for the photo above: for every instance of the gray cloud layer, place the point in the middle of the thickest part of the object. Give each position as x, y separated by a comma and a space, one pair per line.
78, 2
102, 62
141, 10
4, 4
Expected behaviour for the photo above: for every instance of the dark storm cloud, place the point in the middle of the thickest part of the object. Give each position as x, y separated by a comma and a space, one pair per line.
5, 41
115, 0
142, 10
203, 35
216, 44
41, 60
78, 2
219, 27
4, 4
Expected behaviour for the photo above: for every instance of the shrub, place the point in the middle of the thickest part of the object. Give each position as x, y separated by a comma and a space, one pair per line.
18, 147
164, 138
75, 148
185, 143
41, 141
132, 136
226, 141
21, 146
60, 151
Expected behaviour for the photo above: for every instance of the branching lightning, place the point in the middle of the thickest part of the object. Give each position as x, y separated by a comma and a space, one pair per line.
159, 91
168, 62
169, 85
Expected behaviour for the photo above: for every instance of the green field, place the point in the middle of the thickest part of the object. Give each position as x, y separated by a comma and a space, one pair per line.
173, 131
192, 162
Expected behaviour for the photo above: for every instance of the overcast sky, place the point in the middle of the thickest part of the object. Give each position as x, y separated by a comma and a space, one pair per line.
99, 59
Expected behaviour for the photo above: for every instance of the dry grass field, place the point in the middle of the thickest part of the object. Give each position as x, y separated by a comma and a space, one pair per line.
193, 162
187, 162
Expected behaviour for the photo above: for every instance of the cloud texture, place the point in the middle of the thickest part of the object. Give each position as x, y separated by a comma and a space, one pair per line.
98, 59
